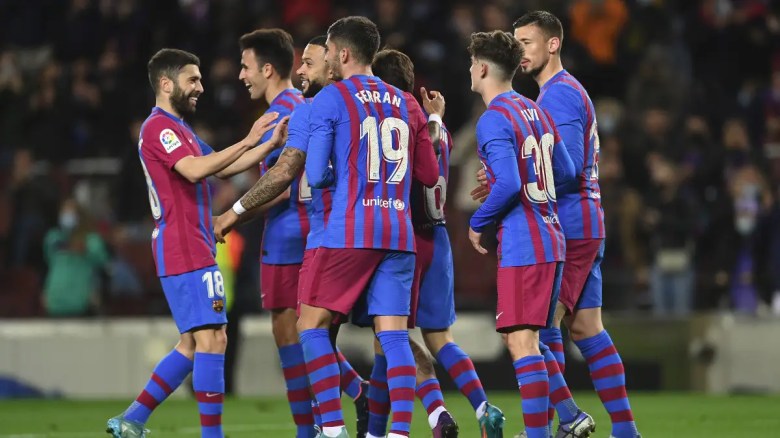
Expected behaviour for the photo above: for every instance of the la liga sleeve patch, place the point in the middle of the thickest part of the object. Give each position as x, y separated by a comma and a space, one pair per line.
169, 140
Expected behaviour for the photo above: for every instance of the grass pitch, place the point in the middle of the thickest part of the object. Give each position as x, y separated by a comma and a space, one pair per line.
661, 415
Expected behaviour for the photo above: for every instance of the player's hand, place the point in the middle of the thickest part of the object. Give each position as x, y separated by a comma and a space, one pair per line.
279, 137
480, 193
482, 177
260, 127
475, 238
223, 224
433, 103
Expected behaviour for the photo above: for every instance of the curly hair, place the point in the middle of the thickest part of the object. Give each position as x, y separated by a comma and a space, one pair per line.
499, 48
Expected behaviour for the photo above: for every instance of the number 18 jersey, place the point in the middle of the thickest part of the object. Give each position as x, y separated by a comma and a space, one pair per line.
376, 138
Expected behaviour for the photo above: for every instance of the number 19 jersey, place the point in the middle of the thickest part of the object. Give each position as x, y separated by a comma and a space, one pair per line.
377, 140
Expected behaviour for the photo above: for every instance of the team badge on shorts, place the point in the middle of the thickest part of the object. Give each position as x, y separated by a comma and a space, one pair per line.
218, 305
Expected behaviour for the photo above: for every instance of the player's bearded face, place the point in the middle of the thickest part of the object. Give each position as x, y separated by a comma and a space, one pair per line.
184, 97
536, 54
314, 70
333, 61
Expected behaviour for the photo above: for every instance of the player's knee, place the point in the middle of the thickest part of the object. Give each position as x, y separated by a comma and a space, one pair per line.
584, 324
423, 361
284, 328
522, 343
435, 340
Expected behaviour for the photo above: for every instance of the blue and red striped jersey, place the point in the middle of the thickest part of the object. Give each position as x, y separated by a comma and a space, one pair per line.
376, 138
428, 202
515, 142
183, 237
320, 204
287, 224
579, 203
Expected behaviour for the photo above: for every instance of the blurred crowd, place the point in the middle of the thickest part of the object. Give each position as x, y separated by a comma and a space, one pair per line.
687, 95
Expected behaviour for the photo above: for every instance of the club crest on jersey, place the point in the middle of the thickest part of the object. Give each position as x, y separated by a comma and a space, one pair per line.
218, 305
169, 140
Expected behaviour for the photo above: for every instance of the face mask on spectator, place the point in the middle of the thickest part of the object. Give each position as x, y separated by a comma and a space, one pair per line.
68, 220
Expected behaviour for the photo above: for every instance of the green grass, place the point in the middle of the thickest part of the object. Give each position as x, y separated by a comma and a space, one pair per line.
658, 415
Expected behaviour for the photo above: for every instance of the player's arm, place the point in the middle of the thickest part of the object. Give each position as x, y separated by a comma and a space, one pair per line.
425, 167
563, 167
434, 105
254, 156
323, 117
228, 220
494, 138
560, 104
195, 169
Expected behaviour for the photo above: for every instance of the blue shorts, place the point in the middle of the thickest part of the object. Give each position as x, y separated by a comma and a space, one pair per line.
196, 298
389, 291
435, 294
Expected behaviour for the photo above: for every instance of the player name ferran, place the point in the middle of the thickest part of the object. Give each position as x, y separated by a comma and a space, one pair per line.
365, 96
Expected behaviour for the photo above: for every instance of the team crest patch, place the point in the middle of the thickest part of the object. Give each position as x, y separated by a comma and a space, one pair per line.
218, 305
169, 140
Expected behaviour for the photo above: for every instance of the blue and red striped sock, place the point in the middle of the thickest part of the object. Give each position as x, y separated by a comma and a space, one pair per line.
461, 369
560, 396
553, 339
315, 411
401, 378
531, 374
378, 397
350, 379
429, 393
609, 379
297, 383
208, 381
166, 377
324, 375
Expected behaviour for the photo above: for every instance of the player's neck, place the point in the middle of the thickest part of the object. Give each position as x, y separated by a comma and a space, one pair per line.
552, 68
491, 90
349, 70
165, 105
276, 89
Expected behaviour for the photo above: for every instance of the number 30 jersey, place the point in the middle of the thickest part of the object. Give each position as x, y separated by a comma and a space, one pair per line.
376, 139
515, 142
183, 238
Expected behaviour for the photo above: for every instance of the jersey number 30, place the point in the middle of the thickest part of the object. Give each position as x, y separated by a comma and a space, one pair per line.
380, 146
544, 188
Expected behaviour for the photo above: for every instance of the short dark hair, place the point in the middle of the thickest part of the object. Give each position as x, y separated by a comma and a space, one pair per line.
272, 46
319, 40
168, 63
498, 47
395, 68
546, 21
359, 34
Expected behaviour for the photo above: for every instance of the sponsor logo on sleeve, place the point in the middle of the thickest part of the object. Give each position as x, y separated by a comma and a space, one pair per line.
169, 140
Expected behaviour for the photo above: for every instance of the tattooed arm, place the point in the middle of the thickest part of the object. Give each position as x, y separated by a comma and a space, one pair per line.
275, 182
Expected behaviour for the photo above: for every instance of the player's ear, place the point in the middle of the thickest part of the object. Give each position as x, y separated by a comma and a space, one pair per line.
268, 70
166, 84
483, 70
344, 55
553, 44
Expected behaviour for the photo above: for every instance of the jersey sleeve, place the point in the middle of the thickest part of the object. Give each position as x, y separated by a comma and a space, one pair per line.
298, 129
205, 149
325, 115
425, 167
557, 102
162, 141
495, 140
564, 173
